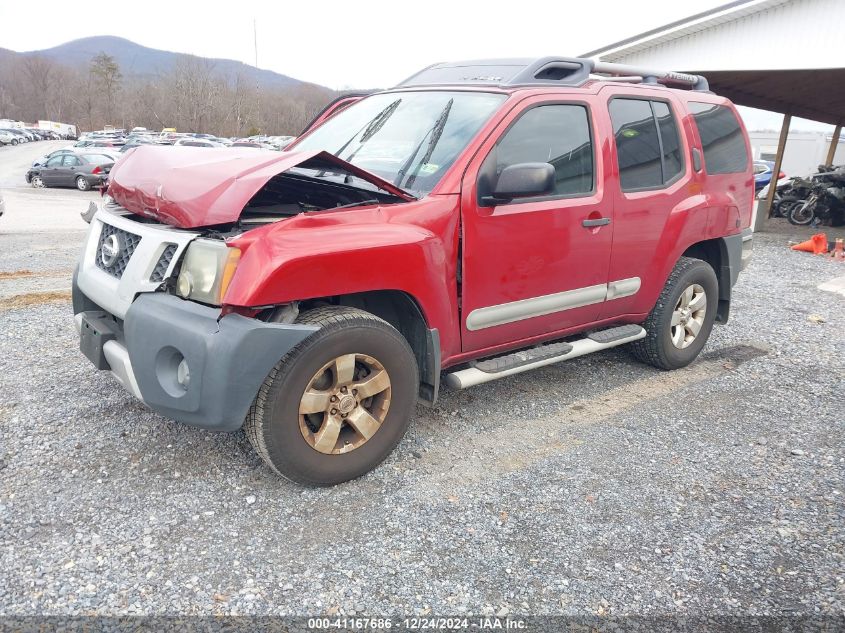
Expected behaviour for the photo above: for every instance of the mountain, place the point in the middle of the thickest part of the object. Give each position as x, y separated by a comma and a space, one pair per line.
138, 60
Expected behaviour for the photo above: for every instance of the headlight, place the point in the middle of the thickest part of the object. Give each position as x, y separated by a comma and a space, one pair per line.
206, 271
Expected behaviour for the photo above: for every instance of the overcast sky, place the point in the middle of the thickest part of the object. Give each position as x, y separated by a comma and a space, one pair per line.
359, 43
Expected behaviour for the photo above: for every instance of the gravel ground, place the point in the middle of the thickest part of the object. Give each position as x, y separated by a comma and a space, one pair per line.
596, 486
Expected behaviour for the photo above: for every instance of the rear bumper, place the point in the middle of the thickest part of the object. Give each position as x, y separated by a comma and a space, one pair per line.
227, 359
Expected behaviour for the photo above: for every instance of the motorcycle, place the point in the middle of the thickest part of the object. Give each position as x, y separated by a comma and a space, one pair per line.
824, 204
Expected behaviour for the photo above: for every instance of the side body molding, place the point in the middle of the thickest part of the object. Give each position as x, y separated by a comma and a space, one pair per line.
492, 316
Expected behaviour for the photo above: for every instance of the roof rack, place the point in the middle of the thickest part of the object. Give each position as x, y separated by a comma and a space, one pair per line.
545, 71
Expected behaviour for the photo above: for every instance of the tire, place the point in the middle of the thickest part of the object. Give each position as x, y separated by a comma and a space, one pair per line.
37, 183
290, 442
658, 348
799, 216
14, 141
783, 207
82, 183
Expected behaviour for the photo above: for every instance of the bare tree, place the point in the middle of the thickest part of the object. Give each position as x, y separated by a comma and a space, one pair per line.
192, 96
107, 77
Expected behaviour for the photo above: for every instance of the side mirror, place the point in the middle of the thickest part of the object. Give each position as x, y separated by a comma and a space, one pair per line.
523, 180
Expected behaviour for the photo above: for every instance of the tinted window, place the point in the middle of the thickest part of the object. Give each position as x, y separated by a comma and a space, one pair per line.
56, 161
555, 134
721, 138
71, 161
673, 158
637, 144
648, 146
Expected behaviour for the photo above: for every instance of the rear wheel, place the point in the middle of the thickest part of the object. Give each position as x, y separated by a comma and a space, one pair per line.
338, 403
782, 207
681, 320
82, 183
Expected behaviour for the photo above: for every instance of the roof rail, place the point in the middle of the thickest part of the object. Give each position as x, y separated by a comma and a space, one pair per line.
665, 77
545, 71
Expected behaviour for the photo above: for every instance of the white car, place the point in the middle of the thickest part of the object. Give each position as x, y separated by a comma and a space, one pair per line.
7, 138
190, 141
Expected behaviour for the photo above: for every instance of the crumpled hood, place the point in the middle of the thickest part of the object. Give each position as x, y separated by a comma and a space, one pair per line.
191, 187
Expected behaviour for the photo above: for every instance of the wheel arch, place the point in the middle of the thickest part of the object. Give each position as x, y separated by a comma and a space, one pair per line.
717, 252
404, 312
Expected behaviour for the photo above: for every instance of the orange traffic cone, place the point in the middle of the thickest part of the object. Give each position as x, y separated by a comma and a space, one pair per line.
816, 245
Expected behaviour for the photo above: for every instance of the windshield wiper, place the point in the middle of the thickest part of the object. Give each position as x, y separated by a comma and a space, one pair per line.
436, 131
370, 129
360, 203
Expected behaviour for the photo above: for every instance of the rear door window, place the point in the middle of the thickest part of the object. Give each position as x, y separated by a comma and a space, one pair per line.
721, 138
648, 146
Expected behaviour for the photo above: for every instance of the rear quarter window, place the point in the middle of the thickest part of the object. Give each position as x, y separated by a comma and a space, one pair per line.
722, 140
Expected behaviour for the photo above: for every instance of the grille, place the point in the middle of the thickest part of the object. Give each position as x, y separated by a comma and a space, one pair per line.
163, 263
126, 244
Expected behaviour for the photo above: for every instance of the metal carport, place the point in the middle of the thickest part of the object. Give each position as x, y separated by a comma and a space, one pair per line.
784, 56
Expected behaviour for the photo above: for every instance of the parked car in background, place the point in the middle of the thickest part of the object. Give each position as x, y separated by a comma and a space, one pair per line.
59, 152
191, 141
134, 142
251, 144
2, 205
7, 138
763, 174
83, 171
114, 153
18, 136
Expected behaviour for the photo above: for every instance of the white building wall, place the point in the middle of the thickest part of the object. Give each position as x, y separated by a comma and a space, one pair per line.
805, 151
762, 36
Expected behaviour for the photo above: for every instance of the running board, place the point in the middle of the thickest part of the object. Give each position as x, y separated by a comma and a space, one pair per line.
524, 360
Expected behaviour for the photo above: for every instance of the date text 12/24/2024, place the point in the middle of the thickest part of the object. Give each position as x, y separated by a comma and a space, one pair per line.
484, 623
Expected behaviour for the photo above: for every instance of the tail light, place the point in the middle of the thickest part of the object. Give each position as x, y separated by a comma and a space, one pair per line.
781, 175
97, 170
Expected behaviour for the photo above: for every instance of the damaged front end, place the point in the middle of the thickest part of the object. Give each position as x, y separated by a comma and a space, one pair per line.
228, 188
160, 256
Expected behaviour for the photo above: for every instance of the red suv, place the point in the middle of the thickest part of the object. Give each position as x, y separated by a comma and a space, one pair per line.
479, 220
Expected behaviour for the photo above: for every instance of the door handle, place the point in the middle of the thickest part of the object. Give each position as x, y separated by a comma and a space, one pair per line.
596, 222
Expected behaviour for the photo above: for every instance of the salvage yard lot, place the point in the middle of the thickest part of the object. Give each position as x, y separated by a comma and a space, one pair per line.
597, 485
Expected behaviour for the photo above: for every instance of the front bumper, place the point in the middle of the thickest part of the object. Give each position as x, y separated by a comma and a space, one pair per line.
227, 358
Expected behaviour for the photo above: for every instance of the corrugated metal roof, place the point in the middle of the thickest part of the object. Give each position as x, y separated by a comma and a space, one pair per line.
683, 28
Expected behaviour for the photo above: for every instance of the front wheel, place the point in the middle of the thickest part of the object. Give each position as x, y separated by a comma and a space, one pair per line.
82, 183
681, 320
802, 213
338, 403
37, 182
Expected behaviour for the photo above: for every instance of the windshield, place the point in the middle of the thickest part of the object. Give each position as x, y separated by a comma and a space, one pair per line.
407, 138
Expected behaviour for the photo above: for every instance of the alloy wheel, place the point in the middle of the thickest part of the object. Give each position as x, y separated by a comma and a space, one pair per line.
688, 316
344, 404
